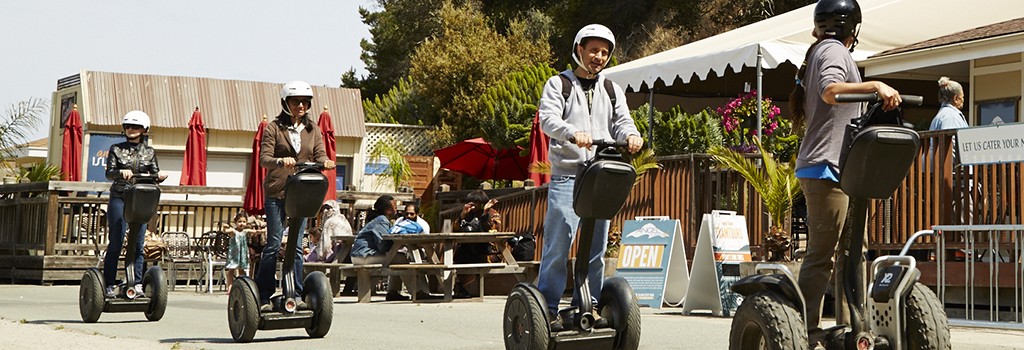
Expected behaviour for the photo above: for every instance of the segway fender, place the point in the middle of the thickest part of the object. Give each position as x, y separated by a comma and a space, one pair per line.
777, 284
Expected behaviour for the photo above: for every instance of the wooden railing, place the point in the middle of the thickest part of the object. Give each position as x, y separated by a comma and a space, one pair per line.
69, 218
935, 192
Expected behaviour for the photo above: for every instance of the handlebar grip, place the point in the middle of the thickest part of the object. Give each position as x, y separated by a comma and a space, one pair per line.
603, 143
848, 98
911, 100
907, 100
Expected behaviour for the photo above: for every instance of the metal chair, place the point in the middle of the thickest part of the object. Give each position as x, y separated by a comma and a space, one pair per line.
180, 250
214, 247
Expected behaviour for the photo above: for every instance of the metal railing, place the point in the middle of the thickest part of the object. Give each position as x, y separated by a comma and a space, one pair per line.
979, 273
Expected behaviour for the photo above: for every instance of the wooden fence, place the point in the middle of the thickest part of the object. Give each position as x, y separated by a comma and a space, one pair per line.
51, 231
935, 192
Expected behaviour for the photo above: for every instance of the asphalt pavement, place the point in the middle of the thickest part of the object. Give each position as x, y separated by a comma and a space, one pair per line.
46, 317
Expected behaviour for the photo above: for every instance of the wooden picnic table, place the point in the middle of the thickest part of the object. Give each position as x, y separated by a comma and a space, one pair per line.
440, 255
344, 245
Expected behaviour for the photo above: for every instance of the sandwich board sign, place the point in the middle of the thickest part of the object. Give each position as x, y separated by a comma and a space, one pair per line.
653, 261
722, 244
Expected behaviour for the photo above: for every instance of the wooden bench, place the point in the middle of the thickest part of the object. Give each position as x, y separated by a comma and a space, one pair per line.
365, 276
447, 273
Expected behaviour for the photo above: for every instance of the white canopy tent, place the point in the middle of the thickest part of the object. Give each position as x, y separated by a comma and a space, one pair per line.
785, 38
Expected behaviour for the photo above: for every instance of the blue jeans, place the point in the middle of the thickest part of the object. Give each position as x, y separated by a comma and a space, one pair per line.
117, 229
560, 225
265, 279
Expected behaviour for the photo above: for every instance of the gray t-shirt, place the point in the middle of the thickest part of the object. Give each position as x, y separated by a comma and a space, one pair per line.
830, 62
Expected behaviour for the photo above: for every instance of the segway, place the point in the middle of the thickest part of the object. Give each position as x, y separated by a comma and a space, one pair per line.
602, 185
141, 198
304, 192
878, 151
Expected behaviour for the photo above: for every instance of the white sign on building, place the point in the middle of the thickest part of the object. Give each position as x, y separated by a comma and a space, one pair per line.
991, 144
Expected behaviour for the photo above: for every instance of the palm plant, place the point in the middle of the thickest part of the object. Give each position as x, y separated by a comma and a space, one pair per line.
642, 162
20, 119
399, 171
39, 172
777, 185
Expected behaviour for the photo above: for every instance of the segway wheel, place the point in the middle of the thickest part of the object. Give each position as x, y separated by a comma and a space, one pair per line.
926, 324
769, 322
320, 299
90, 296
243, 310
620, 307
525, 319
155, 285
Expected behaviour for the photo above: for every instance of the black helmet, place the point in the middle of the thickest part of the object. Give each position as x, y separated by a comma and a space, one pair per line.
836, 18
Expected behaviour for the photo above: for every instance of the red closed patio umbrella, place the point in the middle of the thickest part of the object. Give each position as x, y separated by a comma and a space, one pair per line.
71, 148
327, 130
253, 201
477, 158
193, 169
538, 151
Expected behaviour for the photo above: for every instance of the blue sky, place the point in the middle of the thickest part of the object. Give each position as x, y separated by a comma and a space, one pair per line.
274, 41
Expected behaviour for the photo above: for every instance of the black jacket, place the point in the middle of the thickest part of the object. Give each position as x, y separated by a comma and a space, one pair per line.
138, 157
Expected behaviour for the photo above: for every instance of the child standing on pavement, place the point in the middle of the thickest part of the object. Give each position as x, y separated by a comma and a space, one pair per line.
238, 249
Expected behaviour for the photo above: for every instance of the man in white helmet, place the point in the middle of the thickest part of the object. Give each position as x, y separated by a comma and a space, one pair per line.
124, 160
292, 138
576, 107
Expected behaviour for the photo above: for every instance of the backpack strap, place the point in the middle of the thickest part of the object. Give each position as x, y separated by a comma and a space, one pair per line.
567, 89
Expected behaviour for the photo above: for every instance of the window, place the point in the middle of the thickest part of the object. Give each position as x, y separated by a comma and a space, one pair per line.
1002, 111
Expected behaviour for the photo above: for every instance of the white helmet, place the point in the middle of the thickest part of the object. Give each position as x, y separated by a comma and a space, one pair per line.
593, 31
294, 88
136, 118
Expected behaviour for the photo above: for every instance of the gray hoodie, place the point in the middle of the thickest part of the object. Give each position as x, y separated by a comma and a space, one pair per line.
561, 118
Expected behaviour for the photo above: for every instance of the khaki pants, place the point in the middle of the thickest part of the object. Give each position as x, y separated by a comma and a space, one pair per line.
826, 213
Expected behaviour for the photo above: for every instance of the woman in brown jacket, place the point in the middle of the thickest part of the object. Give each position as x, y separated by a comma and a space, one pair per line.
292, 138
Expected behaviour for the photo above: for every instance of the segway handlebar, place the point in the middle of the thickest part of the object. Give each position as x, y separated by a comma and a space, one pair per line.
908, 100
310, 165
145, 178
603, 143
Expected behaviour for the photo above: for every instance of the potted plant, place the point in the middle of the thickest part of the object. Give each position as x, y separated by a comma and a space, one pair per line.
778, 187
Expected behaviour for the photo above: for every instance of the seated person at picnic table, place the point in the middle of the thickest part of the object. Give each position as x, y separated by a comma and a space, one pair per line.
478, 215
318, 248
410, 222
371, 248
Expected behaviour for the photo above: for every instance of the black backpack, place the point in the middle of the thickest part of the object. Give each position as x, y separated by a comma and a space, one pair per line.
567, 88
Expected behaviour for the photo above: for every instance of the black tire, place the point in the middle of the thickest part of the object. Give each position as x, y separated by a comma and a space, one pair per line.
243, 310
768, 322
926, 323
90, 295
619, 306
319, 298
526, 320
155, 286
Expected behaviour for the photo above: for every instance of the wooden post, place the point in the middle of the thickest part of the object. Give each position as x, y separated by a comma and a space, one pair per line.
52, 216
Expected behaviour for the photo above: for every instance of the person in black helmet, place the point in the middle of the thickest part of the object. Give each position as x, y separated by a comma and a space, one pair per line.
828, 70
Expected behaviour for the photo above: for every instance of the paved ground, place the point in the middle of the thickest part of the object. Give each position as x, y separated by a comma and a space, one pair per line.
35, 317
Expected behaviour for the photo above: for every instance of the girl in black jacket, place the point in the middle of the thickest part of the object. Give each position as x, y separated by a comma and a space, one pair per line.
124, 160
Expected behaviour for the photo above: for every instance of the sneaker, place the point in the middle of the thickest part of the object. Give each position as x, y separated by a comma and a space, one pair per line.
556, 324
426, 296
301, 305
266, 308
395, 296
109, 292
139, 293
600, 322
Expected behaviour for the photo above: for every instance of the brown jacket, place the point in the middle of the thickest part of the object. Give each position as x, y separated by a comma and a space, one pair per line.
275, 145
